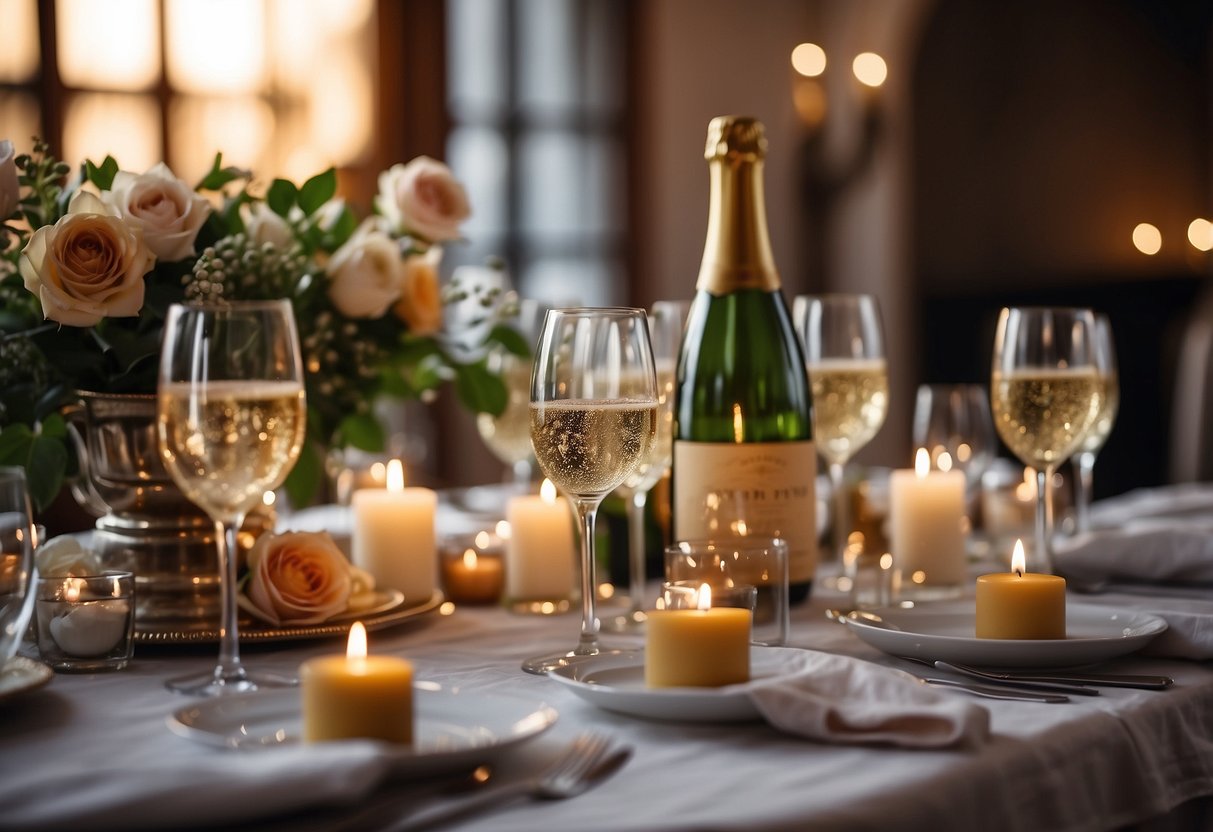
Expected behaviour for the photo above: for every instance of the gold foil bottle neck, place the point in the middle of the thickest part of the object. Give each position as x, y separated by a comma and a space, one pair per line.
736, 136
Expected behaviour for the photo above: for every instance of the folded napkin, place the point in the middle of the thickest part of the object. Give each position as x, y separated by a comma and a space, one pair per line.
841, 699
1147, 551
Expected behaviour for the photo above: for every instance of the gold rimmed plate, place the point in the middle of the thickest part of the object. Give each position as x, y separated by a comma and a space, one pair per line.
20, 675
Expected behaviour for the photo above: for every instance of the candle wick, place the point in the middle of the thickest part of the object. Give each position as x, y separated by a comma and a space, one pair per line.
1019, 573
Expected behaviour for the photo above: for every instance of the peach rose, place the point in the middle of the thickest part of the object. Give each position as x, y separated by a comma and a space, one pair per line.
87, 266
298, 577
366, 273
420, 304
169, 211
423, 199
10, 188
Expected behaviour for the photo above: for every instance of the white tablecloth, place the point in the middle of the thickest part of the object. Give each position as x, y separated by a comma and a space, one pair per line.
93, 752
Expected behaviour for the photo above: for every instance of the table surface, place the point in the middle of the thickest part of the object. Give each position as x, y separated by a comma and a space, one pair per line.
1094, 763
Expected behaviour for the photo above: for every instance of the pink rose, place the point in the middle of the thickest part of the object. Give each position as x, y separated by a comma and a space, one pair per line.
423, 199
167, 210
298, 577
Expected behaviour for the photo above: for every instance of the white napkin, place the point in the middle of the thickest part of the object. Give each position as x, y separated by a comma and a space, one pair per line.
840, 699
1147, 551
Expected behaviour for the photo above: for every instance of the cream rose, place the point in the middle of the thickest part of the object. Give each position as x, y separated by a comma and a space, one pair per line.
169, 211
366, 273
10, 188
262, 225
62, 556
298, 577
420, 304
423, 198
87, 266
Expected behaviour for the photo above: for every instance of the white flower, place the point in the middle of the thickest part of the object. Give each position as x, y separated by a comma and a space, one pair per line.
262, 225
10, 189
87, 266
423, 198
62, 556
169, 211
367, 273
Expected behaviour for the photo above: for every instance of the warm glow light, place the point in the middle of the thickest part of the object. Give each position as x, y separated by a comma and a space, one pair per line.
71, 590
922, 463
241, 126
356, 647
1200, 234
19, 115
216, 46
339, 123
963, 452
886, 561
1018, 561
738, 424
1147, 238
483, 540
18, 45
269, 498
870, 69
395, 475
126, 127
547, 492
809, 59
704, 597
503, 529
469, 558
919, 576
113, 45
944, 461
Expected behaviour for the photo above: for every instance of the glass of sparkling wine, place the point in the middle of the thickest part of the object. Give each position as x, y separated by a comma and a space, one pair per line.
1084, 460
666, 321
593, 422
1046, 391
844, 352
230, 419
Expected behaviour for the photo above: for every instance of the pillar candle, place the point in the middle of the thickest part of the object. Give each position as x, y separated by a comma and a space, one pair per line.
927, 525
394, 536
356, 695
704, 647
539, 555
1019, 604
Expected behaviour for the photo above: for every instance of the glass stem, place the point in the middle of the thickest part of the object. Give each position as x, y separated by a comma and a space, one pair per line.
1084, 470
636, 549
587, 514
842, 515
1044, 521
229, 668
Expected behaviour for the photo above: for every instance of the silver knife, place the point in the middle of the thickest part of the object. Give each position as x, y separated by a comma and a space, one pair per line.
990, 692
1034, 683
1111, 680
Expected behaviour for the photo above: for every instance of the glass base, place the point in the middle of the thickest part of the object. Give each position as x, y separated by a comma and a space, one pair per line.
216, 683
631, 621
540, 665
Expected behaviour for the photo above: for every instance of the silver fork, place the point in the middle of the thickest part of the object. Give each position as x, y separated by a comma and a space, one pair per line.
588, 759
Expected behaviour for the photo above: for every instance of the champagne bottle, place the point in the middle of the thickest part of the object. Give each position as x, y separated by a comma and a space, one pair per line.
743, 437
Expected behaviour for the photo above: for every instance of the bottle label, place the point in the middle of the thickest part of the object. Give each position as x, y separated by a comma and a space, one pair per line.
728, 489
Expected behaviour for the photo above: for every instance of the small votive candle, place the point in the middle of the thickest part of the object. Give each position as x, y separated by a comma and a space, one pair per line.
357, 695
699, 646
472, 568
1019, 604
540, 552
86, 623
927, 528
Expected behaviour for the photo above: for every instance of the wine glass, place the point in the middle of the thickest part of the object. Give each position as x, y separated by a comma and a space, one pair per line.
18, 539
666, 321
1084, 460
953, 423
844, 354
1046, 391
230, 419
593, 421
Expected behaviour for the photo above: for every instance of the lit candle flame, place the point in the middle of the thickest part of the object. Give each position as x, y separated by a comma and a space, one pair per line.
1018, 561
356, 646
469, 558
705, 597
922, 463
71, 590
547, 492
395, 475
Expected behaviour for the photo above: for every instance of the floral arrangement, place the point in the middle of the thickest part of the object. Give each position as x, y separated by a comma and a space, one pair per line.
303, 578
89, 265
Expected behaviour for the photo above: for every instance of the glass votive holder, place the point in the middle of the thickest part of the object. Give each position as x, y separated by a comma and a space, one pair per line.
686, 595
758, 562
85, 624
472, 567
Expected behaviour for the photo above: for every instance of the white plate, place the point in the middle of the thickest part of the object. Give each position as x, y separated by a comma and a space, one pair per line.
20, 674
381, 601
453, 729
945, 632
616, 683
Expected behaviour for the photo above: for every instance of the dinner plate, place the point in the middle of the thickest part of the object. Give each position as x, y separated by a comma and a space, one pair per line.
453, 729
19, 675
381, 601
945, 632
616, 683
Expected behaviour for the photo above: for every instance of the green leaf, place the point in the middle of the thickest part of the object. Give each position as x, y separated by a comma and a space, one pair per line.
303, 482
480, 391
281, 197
317, 191
362, 430
341, 231
103, 176
44, 459
511, 339
218, 176
54, 427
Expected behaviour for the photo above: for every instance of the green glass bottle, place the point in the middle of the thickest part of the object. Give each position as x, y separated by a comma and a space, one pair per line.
743, 437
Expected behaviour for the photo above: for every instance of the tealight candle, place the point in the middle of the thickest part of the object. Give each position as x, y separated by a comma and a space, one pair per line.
702, 647
356, 695
1019, 604
539, 553
473, 574
927, 525
394, 537
85, 623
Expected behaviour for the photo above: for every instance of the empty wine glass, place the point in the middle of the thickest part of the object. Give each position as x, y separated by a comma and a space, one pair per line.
666, 321
1084, 460
230, 416
1045, 392
844, 354
18, 539
593, 421
953, 423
